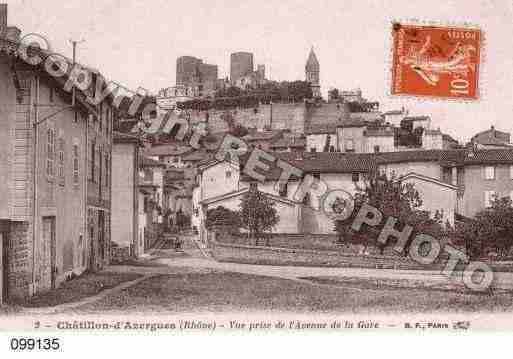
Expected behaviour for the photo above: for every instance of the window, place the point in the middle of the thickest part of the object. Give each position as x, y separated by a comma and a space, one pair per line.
355, 177
61, 161
50, 148
313, 149
332, 148
98, 163
253, 186
489, 172
51, 95
489, 197
349, 146
283, 189
107, 120
100, 112
306, 199
107, 170
75, 165
92, 162
228, 174
376, 149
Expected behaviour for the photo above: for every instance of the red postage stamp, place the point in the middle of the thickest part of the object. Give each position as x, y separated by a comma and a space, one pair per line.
436, 61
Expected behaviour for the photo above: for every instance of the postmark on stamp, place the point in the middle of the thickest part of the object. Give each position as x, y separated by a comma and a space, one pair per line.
436, 61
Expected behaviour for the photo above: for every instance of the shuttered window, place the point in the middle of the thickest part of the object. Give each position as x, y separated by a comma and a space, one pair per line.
50, 152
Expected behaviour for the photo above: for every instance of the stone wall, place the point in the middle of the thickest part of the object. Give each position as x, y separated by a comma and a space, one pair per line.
240, 253
19, 260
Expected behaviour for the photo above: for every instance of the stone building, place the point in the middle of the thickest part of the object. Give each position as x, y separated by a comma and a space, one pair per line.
55, 173
492, 138
312, 73
192, 72
125, 194
241, 64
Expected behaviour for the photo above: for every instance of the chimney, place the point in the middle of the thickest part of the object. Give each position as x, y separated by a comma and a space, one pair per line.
3, 17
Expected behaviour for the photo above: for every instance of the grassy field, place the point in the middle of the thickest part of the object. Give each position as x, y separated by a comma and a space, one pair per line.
229, 292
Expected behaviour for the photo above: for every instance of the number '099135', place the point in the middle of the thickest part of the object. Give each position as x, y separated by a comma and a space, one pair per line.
35, 344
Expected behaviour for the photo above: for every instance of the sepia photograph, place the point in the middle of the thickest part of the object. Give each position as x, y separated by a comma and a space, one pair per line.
253, 166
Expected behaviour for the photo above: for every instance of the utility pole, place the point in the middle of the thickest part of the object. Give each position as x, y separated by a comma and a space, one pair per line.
74, 44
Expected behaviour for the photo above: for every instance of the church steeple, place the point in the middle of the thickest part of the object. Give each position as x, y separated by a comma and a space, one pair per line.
312, 64
312, 72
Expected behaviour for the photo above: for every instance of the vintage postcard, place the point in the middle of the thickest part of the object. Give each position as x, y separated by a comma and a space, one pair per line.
254, 167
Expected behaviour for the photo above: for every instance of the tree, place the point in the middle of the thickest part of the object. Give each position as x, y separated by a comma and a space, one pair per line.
258, 213
333, 94
490, 230
393, 198
222, 217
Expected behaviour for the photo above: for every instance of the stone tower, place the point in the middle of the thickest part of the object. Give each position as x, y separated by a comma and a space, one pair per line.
312, 70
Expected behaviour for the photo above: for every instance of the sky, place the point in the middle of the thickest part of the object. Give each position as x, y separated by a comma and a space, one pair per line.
136, 43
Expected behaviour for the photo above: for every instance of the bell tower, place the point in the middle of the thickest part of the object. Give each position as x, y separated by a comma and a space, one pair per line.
312, 70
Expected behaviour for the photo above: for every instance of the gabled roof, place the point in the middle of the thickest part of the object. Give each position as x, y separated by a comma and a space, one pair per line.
243, 191
427, 179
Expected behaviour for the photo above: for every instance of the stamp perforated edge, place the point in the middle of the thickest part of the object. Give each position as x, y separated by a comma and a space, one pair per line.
389, 49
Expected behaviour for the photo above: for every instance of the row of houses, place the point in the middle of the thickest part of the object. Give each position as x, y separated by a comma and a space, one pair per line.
55, 171
453, 182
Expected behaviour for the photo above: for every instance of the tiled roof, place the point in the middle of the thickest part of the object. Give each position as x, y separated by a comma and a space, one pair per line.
382, 131
149, 162
447, 137
262, 135
320, 128
336, 162
120, 137
416, 118
353, 122
492, 141
197, 156
494, 156
408, 156
322, 162
168, 149
289, 142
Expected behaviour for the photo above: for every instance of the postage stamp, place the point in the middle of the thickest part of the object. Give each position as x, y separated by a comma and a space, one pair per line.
436, 61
